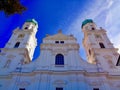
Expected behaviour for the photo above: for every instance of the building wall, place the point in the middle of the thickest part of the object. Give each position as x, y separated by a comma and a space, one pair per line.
18, 72
49, 80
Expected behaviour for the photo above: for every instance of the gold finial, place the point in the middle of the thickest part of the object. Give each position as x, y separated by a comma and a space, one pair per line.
71, 35
59, 31
47, 35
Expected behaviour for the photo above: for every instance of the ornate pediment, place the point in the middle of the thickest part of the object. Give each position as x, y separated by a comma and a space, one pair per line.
60, 36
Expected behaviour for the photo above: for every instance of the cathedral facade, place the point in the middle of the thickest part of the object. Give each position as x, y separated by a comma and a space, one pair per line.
59, 66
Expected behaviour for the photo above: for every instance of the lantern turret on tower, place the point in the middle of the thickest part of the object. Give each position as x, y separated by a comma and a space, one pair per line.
88, 24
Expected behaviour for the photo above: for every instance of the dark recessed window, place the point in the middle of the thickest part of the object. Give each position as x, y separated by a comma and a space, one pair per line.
93, 28
101, 45
57, 42
26, 28
62, 42
21, 88
59, 88
118, 62
59, 59
95, 88
17, 45
89, 52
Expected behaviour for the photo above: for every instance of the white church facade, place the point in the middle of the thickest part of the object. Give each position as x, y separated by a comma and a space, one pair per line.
59, 66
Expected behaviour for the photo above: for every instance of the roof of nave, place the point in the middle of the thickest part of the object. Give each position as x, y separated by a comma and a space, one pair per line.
60, 36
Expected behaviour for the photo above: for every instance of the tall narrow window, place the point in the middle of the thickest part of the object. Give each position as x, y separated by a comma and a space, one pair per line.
101, 45
59, 88
17, 45
59, 59
93, 28
118, 62
89, 52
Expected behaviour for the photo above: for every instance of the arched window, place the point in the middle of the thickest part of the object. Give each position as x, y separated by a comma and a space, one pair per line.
17, 45
59, 59
101, 45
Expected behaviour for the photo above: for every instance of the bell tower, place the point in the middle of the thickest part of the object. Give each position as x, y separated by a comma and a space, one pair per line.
24, 40
99, 49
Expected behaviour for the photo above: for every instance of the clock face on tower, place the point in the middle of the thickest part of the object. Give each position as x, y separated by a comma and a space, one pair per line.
21, 35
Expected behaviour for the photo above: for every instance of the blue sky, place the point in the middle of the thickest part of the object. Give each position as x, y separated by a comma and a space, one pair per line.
67, 15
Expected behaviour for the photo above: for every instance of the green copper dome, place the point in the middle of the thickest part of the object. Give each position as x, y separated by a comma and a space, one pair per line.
86, 21
32, 21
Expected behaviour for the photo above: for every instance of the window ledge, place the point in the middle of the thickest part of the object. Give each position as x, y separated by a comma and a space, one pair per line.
59, 65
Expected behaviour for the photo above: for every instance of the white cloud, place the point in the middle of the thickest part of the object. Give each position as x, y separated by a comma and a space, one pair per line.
113, 23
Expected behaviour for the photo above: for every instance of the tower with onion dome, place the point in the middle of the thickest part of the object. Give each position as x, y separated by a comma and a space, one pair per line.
98, 47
